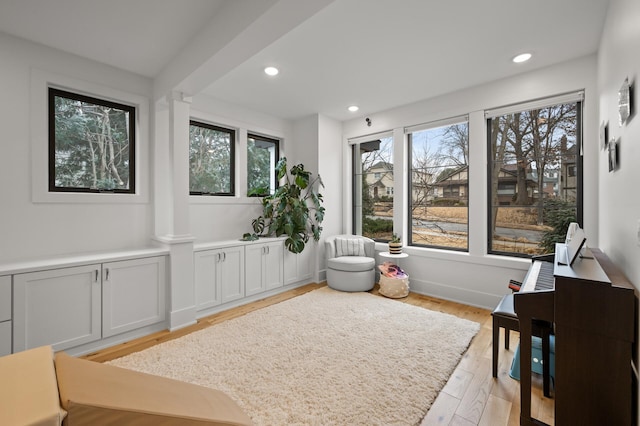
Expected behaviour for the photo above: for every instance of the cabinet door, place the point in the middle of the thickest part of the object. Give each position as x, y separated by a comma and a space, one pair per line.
5, 338
254, 276
60, 307
205, 273
273, 265
5, 298
5, 315
133, 294
297, 267
231, 273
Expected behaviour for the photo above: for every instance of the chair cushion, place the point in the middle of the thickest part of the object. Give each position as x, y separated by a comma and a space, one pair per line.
349, 247
351, 263
94, 393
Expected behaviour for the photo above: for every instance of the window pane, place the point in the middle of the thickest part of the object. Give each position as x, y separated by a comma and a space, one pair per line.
440, 187
262, 157
373, 189
533, 175
211, 159
91, 144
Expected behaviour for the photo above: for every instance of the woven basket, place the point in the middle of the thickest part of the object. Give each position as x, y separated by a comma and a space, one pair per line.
394, 288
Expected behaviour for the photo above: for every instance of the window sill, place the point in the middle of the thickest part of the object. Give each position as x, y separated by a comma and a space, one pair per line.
223, 200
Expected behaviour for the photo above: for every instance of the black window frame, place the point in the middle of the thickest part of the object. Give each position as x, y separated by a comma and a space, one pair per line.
130, 109
232, 158
276, 144
372, 144
579, 179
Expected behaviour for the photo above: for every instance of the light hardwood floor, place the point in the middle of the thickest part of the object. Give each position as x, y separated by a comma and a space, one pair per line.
471, 397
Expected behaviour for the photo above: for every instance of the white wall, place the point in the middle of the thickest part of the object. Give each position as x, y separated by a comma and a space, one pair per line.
619, 213
303, 148
227, 218
35, 230
619, 58
475, 277
330, 169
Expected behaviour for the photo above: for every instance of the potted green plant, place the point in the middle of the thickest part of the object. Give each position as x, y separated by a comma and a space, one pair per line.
294, 209
395, 244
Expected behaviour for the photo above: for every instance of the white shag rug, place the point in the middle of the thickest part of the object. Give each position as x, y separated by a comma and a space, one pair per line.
323, 358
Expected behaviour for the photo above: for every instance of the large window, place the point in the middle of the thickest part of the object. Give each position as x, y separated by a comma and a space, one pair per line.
91, 144
534, 175
262, 157
373, 182
211, 159
439, 184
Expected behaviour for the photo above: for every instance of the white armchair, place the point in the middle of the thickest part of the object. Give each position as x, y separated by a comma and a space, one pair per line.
350, 262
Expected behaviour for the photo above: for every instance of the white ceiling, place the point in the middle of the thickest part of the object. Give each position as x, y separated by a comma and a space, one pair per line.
377, 54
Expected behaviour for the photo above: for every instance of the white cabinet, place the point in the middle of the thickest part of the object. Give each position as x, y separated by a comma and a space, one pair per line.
72, 306
219, 276
133, 294
5, 338
205, 276
264, 267
59, 307
231, 268
297, 267
5, 315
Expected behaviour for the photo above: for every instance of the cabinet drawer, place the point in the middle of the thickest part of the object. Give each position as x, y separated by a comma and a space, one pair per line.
5, 298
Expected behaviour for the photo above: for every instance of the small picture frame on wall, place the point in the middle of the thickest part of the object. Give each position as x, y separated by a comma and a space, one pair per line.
625, 102
604, 134
613, 154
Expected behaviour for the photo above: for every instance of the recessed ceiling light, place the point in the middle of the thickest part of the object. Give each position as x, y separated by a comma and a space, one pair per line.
271, 71
353, 108
523, 57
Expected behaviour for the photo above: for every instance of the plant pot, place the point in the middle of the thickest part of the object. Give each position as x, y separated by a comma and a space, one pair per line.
395, 248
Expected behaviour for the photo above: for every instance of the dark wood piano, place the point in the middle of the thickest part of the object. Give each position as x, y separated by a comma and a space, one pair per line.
592, 308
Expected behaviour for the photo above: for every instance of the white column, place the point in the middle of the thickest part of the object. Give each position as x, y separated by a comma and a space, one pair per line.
400, 177
241, 162
171, 202
478, 157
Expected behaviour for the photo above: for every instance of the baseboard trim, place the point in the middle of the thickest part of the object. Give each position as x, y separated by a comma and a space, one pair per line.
182, 318
454, 294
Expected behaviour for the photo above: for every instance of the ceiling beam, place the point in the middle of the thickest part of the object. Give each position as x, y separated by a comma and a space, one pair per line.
237, 32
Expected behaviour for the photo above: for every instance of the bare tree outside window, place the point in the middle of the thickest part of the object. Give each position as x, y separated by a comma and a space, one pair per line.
534, 173
91, 144
439, 186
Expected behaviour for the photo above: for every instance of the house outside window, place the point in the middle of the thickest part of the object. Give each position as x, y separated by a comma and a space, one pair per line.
534, 174
373, 182
91, 144
211, 159
439, 182
262, 156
